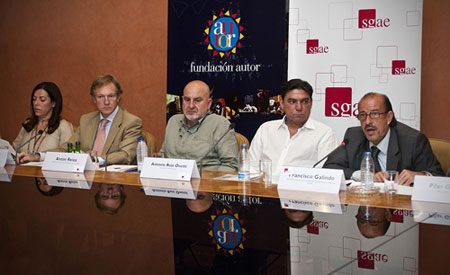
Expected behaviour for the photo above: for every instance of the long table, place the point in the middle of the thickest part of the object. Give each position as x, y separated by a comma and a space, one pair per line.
66, 233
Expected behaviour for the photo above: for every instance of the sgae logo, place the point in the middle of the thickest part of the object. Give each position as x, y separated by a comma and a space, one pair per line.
312, 47
399, 68
313, 227
338, 102
367, 260
368, 19
227, 231
223, 34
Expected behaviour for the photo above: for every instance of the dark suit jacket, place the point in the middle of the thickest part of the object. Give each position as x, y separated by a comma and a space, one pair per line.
407, 149
125, 128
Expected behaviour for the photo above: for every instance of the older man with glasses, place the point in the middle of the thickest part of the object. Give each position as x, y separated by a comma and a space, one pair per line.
394, 145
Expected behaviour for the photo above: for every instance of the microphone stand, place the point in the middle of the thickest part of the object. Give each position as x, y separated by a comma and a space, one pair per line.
40, 132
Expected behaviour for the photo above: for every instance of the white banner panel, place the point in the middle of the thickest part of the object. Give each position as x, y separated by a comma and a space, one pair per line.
345, 49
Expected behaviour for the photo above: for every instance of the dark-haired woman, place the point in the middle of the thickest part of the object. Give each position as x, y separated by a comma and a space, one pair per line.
46, 107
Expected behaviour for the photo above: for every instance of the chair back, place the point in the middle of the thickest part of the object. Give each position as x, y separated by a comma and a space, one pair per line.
241, 139
441, 149
151, 142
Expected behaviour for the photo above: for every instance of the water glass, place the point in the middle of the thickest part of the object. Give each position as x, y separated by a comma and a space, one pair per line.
265, 170
390, 182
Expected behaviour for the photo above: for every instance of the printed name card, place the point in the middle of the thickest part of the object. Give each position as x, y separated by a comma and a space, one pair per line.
67, 162
170, 169
312, 179
6, 173
310, 201
171, 189
70, 180
6, 158
431, 212
433, 189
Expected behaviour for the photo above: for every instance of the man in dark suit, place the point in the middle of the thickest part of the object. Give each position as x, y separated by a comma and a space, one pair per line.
394, 145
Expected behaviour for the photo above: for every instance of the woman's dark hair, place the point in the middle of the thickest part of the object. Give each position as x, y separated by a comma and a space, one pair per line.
55, 96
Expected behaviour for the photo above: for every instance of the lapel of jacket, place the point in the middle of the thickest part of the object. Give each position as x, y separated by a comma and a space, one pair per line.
113, 131
91, 130
393, 152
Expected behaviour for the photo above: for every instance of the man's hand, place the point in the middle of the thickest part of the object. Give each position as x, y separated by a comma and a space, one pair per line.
406, 177
24, 158
379, 176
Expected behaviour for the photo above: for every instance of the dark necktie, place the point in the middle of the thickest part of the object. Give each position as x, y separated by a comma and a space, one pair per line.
375, 152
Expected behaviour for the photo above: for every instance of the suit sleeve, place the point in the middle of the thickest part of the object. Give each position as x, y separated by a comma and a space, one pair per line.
19, 139
63, 146
131, 133
425, 160
339, 160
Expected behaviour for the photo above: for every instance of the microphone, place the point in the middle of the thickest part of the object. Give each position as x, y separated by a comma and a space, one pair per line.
232, 125
40, 132
117, 150
343, 144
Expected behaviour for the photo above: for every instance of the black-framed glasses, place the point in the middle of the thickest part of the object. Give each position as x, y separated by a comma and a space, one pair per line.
371, 222
372, 115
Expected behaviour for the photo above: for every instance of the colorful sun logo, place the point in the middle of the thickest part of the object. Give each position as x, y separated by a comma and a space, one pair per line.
227, 232
223, 34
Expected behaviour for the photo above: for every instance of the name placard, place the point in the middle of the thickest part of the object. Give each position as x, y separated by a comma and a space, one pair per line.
433, 189
67, 162
6, 158
431, 212
70, 180
312, 179
7, 172
310, 201
170, 169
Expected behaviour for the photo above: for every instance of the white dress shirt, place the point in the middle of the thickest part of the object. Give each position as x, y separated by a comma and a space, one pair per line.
273, 142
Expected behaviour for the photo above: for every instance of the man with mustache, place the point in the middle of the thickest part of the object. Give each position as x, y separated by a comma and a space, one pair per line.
192, 134
394, 145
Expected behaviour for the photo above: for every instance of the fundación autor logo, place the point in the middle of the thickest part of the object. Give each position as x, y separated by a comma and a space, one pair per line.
368, 19
312, 47
224, 33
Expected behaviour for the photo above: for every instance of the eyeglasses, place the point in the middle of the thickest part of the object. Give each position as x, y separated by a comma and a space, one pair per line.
102, 97
372, 115
371, 222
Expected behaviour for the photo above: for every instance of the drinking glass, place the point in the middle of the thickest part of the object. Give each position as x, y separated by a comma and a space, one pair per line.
390, 182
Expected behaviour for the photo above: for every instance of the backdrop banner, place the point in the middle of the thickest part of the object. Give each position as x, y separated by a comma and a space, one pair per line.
345, 49
236, 48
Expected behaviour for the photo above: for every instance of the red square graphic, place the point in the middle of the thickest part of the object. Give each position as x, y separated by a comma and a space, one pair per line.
311, 44
397, 216
365, 260
366, 19
338, 101
312, 229
397, 66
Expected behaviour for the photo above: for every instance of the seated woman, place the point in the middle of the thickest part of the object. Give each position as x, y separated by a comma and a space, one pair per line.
46, 107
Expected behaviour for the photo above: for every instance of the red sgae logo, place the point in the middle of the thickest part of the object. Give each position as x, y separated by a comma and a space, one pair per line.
397, 215
313, 227
338, 102
367, 260
312, 47
368, 19
399, 68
